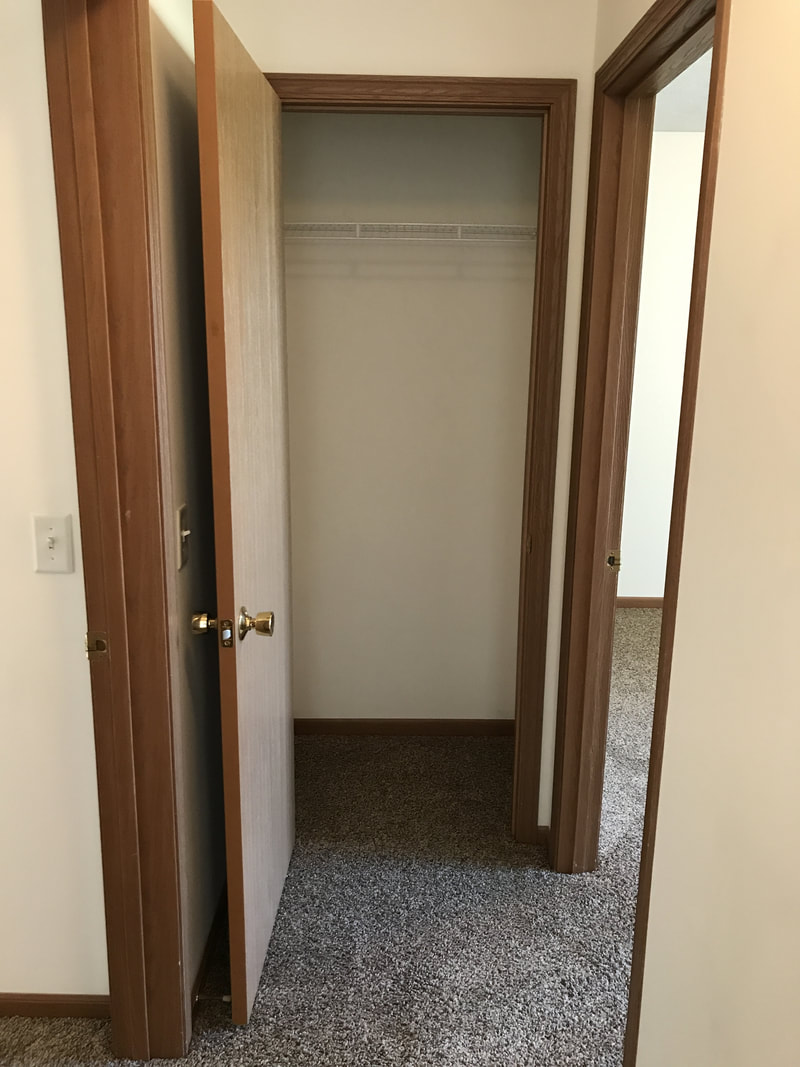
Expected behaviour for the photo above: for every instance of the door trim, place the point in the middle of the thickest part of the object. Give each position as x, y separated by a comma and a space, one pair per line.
554, 101
665, 42
97, 55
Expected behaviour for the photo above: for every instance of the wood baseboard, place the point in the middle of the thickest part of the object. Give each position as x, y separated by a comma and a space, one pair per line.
640, 602
55, 1005
407, 727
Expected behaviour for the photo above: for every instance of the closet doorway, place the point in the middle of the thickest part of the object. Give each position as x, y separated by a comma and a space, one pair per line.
549, 105
410, 253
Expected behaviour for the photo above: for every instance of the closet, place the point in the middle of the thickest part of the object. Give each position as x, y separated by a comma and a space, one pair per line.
410, 252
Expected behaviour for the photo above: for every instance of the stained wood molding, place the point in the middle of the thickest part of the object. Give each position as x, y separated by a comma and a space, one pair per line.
100, 90
553, 100
640, 602
619, 171
407, 727
664, 43
55, 1005
370, 92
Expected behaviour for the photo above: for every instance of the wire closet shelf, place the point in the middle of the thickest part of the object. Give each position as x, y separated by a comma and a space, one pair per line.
408, 231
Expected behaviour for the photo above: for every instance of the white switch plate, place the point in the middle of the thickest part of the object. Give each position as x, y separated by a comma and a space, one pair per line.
52, 539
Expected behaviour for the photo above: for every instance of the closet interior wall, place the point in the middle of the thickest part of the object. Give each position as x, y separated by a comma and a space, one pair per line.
408, 378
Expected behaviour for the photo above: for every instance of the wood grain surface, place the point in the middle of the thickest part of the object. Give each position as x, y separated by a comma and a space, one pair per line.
239, 128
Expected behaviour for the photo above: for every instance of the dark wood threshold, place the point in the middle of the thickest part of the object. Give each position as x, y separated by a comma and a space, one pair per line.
408, 727
640, 602
55, 1005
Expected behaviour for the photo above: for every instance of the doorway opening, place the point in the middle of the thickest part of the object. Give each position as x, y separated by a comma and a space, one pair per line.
501, 109
673, 198
670, 230
410, 268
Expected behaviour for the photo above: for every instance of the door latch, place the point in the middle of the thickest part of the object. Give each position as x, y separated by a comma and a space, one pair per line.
203, 624
614, 561
96, 644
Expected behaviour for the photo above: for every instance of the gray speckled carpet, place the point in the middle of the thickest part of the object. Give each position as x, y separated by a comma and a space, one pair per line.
413, 930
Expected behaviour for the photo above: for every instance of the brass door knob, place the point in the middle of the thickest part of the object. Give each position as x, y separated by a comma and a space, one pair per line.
263, 623
202, 624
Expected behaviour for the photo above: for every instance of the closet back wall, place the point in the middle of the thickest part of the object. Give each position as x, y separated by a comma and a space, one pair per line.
408, 378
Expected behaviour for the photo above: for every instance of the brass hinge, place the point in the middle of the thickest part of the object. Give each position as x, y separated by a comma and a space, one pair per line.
96, 644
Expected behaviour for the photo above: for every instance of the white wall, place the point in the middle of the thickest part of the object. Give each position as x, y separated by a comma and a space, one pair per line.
722, 970
670, 232
52, 929
196, 721
519, 38
408, 378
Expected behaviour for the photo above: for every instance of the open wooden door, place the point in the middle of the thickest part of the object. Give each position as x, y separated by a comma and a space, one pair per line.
239, 133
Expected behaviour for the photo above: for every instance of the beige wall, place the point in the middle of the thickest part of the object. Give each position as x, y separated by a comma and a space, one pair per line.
515, 38
192, 588
615, 20
52, 930
408, 378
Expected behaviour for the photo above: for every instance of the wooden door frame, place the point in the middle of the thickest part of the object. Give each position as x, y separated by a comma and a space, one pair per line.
99, 77
100, 88
553, 100
672, 34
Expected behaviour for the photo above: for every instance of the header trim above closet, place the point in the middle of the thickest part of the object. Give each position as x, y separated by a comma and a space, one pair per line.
408, 95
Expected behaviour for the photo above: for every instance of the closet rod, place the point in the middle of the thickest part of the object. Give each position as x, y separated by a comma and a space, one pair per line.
407, 231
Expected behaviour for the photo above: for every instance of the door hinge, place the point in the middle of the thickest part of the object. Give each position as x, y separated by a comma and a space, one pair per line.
614, 560
96, 644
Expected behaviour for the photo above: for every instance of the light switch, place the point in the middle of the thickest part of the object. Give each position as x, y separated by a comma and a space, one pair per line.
52, 537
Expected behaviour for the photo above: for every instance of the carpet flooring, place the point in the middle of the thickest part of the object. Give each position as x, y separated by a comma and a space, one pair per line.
413, 930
